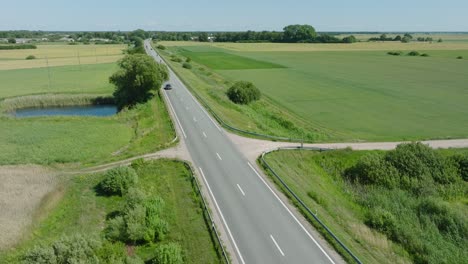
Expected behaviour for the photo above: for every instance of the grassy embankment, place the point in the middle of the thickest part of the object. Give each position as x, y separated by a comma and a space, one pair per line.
413, 227
79, 140
335, 92
80, 209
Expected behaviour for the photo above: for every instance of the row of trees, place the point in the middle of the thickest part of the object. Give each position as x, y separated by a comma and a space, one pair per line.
290, 34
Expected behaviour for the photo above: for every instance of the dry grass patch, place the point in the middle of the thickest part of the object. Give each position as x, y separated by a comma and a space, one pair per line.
22, 191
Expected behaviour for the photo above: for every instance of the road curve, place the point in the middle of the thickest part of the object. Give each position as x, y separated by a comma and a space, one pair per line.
258, 223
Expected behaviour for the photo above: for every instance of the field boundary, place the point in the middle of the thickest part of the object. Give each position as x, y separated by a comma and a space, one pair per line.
308, 211
220, 120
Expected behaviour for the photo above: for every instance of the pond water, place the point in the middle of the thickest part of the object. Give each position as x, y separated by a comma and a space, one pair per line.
82, 110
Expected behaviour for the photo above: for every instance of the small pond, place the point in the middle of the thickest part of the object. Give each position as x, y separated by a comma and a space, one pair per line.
82, 110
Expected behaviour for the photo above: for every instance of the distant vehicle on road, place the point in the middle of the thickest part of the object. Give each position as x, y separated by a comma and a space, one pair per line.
168, 87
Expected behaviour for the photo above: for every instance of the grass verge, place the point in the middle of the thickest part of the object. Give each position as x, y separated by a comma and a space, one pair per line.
317, 179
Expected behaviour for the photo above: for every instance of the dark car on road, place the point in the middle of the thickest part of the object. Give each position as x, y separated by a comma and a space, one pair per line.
168, 87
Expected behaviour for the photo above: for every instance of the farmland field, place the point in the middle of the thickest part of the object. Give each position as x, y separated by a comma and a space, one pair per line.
341, 92
79, 209
60, 55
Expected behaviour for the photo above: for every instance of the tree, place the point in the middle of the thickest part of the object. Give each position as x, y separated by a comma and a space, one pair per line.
406, 39
203, 37
397, 38
299, 33
243, 93
11, 40
137, 79
350, 39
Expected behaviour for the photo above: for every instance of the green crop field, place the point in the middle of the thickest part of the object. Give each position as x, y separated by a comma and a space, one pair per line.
92, 78
77, 208
227, 61
344, 94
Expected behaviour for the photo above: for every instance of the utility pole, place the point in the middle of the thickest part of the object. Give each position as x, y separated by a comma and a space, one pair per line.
79, 60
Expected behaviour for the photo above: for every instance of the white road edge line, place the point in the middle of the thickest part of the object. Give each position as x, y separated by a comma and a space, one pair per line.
240, 189
204, 135
289, 211
175, 114
277, 246
222, 216
219, 157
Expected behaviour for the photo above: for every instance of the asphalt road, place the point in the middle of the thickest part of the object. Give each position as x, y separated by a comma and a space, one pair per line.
260, 226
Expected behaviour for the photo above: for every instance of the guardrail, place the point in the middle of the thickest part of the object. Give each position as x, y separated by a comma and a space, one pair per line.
304, 206
219, 119
209, 218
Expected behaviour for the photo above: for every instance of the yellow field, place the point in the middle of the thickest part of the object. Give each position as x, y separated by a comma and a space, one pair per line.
60, 55
360, 46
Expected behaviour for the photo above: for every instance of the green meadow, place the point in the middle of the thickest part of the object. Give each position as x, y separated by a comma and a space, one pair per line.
339, 95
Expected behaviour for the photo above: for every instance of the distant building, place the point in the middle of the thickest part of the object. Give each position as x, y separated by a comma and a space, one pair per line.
67, 39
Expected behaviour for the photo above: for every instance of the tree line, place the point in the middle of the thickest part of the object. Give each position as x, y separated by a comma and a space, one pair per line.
290, 34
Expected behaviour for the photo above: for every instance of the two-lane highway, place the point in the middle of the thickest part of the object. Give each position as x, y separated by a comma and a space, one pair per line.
259, 225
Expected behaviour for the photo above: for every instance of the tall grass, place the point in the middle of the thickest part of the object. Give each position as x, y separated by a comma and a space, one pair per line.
45, 100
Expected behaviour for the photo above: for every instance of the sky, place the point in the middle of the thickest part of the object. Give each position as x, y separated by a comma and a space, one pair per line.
234, 15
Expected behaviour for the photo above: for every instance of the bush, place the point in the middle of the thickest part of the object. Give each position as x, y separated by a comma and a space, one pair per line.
413, 53
119, 180
373, 169
20, 46
176, 59
31, 57
243, 93
394, 53
460, 57
161, 47
40, 255
424, 55
73, 249
187, 65
381, 220
139, 221
170, 253
462, 165
188, 59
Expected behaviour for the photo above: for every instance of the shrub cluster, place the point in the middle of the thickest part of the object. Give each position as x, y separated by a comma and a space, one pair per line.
394, 53
243, 93
413, 53
411, 166
161, 47
170, 253
21, 46
31, 57
118, 181
175, 58
460, 57
73, 249
187, 65
139, 220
